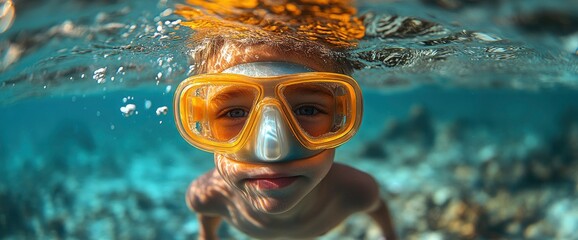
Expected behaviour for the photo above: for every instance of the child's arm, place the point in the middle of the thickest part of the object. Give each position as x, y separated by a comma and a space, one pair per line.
382, 217
204, 197
361, 193
208, 227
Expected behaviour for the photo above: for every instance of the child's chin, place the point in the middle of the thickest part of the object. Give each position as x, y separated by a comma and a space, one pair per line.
273, 206
277, 201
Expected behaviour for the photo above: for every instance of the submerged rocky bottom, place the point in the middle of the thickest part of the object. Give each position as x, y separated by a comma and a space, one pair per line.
444, 178
464, 180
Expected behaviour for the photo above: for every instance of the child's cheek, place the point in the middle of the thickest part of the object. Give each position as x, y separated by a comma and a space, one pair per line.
229, 171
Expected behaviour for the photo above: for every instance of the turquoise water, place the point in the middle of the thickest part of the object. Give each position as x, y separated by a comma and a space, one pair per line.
494, 130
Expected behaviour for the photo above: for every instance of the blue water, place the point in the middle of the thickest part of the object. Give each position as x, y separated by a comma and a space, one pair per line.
501, 130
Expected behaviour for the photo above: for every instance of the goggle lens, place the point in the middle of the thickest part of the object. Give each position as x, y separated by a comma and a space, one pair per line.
317, 108
219, 112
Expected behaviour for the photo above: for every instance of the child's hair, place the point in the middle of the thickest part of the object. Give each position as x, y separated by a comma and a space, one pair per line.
218, 53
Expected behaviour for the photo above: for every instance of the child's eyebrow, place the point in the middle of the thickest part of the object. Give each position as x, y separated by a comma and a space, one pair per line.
309, 90
232, 92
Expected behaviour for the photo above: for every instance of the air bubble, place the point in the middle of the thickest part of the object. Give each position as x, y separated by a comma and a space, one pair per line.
162, 110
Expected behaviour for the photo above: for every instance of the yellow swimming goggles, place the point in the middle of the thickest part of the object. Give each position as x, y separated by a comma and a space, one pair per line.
268, 111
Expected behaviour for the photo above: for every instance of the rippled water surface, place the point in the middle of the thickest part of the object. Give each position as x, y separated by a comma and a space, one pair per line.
96, 45
470, 124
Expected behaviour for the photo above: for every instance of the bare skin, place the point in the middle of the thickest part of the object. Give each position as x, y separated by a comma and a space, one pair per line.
308, 198
324, 207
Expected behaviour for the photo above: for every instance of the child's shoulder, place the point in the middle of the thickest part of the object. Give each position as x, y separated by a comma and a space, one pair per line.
351, 176
358, 189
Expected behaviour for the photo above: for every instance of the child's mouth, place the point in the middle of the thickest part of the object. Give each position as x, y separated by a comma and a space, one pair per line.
272, 182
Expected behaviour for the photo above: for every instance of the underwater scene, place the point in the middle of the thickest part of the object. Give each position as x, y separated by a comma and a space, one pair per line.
470, 112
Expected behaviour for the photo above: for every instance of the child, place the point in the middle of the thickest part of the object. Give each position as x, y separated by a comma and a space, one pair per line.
273, 118
272, 99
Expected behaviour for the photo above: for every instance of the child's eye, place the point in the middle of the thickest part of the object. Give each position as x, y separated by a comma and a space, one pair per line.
306, 110
236, 113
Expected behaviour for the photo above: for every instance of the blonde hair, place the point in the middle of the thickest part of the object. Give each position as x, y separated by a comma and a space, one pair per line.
218, 53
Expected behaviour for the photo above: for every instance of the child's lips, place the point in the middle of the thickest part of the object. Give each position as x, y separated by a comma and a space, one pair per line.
272, 182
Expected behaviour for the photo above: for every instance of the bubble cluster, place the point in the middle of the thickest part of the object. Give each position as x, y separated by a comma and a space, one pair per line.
128, 110
100, 75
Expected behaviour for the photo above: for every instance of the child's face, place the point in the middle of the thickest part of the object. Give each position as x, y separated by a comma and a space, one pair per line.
275, 187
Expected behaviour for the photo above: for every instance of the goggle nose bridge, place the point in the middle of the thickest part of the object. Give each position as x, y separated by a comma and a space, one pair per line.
277, 104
